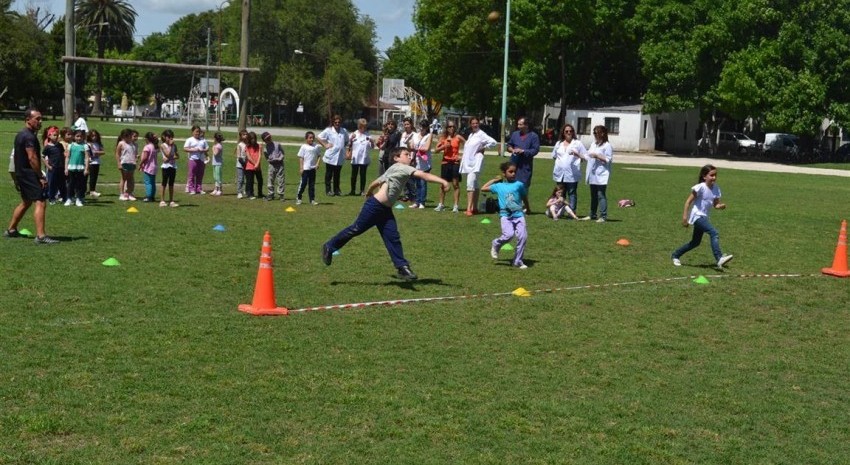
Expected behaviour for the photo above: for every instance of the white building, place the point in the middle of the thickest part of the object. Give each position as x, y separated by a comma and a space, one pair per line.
632, 130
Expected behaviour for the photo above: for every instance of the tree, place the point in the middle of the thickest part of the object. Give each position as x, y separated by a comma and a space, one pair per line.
23, 73
112, 24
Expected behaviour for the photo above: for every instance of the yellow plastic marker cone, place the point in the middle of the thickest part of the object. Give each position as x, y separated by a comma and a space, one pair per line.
289, 209
132, 210
701, 280
521, 292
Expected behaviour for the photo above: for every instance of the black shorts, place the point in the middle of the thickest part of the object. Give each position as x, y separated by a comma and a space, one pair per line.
450, 172
168, 175
30, 186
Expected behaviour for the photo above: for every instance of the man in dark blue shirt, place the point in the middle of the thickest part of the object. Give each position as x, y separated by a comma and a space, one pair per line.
31, 180
523, 146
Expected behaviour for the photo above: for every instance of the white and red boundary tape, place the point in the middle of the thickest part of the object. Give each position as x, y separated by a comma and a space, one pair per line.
550, 290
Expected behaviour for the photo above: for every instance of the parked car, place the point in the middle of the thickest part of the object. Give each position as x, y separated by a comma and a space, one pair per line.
736, 142
779, 145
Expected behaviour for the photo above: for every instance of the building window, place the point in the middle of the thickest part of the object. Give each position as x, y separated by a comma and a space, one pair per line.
612, 125
583, 126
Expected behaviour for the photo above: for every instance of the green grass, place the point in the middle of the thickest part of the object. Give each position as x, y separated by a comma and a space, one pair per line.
150, 362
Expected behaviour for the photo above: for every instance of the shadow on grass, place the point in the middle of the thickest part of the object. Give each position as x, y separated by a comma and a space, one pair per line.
398, 282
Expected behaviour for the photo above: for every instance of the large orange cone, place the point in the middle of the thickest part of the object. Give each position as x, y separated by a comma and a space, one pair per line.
264, 301
839, 263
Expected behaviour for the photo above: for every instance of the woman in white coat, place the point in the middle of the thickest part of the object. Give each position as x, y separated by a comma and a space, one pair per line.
600, 155
568, 154
472, 160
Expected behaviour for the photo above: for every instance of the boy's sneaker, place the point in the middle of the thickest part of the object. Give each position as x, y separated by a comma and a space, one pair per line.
439, 208
724, 260
298, 202
521, 266
421, 205
313, 202
455, 209
45, 240
494, 252
11, 233
600, 220
163, 204
69, 202
405, 273
79, 203
677, 262
94, 194
327, 254
239, 195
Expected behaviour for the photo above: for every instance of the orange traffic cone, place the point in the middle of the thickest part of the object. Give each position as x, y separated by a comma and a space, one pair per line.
264, 302
839, 263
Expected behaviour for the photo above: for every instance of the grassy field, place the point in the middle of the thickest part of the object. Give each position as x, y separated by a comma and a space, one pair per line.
150, 362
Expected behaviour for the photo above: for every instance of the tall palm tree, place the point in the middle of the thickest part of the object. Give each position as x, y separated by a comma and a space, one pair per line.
111, 23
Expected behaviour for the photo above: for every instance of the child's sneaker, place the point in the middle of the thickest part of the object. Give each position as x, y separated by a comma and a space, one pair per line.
239, 195
79, 203
313, 202
724, 260
45, 240
405, 273
163, 204
69, 202
11, 233
298, 202
421, 205
439, 208
494, 252
123, 197
131, 198
677, 262
521, 265
455, 209
173, 204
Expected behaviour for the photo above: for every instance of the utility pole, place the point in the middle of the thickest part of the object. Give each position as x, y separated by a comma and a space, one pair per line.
243, 62
70, 67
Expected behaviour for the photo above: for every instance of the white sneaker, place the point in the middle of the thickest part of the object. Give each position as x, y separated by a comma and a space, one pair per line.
123, 197
677, 262
203, 192
494, 252
69, 202
239, 196
455, 209
521, 266
600, 220
585, 218
79, 203
131, 198
439, 208
313, 202
421, 205
94, 194
724, 260
163, 204
173, 205
298, 202
190, 193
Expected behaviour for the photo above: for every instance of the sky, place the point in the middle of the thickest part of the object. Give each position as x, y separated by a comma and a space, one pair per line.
392, 17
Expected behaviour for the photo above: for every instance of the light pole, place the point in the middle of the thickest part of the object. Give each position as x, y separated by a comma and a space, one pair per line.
327, 78
207, 102
505, 75
220, 44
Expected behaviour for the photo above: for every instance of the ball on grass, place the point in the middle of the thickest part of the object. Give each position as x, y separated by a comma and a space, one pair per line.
493, 16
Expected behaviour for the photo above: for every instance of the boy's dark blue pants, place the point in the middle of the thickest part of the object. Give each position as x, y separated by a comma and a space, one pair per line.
375, 214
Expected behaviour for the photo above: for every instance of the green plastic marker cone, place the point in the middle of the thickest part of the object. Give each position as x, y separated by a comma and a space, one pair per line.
399, 206
701, 280
486, 221
507, 247
25, 232
111, 262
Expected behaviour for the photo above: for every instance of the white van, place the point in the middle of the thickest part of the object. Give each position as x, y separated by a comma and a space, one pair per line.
779, 144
